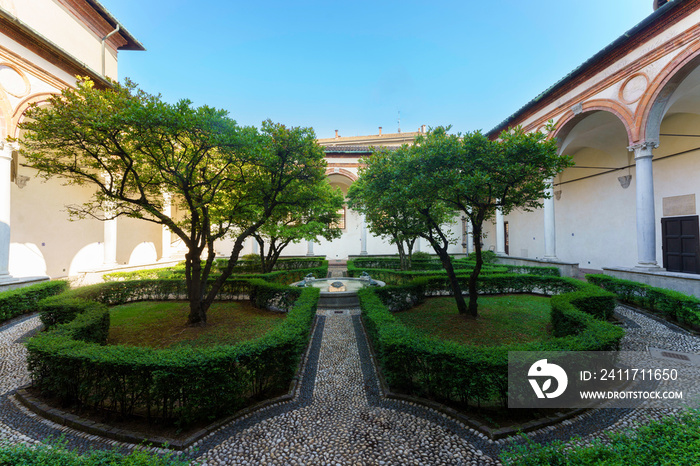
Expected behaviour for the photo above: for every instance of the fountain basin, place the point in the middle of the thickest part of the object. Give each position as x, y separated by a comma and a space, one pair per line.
339, 299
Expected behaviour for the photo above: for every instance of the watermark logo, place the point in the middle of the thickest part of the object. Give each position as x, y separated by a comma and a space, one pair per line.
543, 369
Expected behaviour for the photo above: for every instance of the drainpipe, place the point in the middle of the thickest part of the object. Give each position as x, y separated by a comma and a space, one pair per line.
104, 40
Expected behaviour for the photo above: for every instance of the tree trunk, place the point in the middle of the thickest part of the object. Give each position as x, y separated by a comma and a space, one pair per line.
195, 289
474, 276
409, 246
263, 258
452, 277
403, 263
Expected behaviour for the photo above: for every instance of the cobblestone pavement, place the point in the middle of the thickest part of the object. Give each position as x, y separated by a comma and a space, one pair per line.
338, 415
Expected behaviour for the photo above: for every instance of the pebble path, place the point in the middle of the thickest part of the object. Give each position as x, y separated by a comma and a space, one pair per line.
338, 416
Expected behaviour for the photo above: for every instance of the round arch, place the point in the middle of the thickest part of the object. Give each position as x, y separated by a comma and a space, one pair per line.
569, 120
655, 104
22, 108
342, 172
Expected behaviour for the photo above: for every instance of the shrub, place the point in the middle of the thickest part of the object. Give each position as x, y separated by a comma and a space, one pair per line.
57, 454
457, 373
669, 441
669, 304
180, 385
291, 271
421, 256
24, 300
489, 257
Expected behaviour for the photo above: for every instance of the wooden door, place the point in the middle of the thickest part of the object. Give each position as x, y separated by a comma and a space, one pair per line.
681, 244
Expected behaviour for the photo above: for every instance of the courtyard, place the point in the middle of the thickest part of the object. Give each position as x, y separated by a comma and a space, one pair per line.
199, 311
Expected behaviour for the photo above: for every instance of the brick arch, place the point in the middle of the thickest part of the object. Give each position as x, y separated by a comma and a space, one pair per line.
570, 119
343, 172
652, 106
22, 108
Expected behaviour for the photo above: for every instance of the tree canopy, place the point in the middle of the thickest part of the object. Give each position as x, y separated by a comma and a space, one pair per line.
135, 149
443, 175
385, 208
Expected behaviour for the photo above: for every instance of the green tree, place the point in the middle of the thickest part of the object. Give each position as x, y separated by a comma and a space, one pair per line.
314, 215
132, 148
477, 176
386, 213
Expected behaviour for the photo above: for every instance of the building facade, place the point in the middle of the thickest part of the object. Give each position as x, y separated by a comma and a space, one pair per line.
343, 154
44, 45
630, 118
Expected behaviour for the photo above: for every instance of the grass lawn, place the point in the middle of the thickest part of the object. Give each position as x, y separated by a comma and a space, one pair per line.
502, 320
163, 324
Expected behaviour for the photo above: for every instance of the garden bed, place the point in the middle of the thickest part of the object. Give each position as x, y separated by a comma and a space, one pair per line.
162, 324
182, 386
503, 319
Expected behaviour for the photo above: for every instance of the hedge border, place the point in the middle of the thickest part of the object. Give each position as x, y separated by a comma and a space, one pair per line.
282, 275
671, 305
14, 303
447, 371
121, 435
392, 275
71, 363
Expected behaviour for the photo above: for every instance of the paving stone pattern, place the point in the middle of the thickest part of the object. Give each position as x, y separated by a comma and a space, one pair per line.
338, 415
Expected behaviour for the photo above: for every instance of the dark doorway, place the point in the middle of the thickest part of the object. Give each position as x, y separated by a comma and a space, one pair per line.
507, 234
681, 244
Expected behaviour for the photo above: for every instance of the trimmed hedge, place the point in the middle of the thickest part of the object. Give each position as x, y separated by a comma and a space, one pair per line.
451, 372
24, 300
283, 277
669, 441
180, 385
57, 454
283, 263
390, 275
669, 304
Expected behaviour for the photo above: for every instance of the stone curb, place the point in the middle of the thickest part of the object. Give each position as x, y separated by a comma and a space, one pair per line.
123, 435
493, 434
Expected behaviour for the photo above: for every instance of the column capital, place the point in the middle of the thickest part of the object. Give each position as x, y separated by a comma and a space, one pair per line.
6, 149
643, 148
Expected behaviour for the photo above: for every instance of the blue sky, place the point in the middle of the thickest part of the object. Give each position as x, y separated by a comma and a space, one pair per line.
353, 66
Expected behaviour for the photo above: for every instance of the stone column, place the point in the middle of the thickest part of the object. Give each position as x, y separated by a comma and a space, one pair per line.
646, 217
363, 237
550, 237
470, 237
6, 150
310, 248
500, 233
166, 236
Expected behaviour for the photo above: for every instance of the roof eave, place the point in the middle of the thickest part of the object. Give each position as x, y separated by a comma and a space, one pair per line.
131, 42
620, 41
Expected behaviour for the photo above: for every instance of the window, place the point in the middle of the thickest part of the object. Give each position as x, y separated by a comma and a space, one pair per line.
340, 224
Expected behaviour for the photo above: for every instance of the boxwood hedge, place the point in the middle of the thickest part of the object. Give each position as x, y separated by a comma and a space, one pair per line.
283, 276
668, 441
452, 372
389, 272
24, 300
669, 304
181, 385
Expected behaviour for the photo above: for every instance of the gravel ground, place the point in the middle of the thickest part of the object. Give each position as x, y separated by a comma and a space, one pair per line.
338, 415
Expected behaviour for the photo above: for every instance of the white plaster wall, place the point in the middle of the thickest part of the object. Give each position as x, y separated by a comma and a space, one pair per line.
43, 239
526, 234
677, 175
138, 241
54, 22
